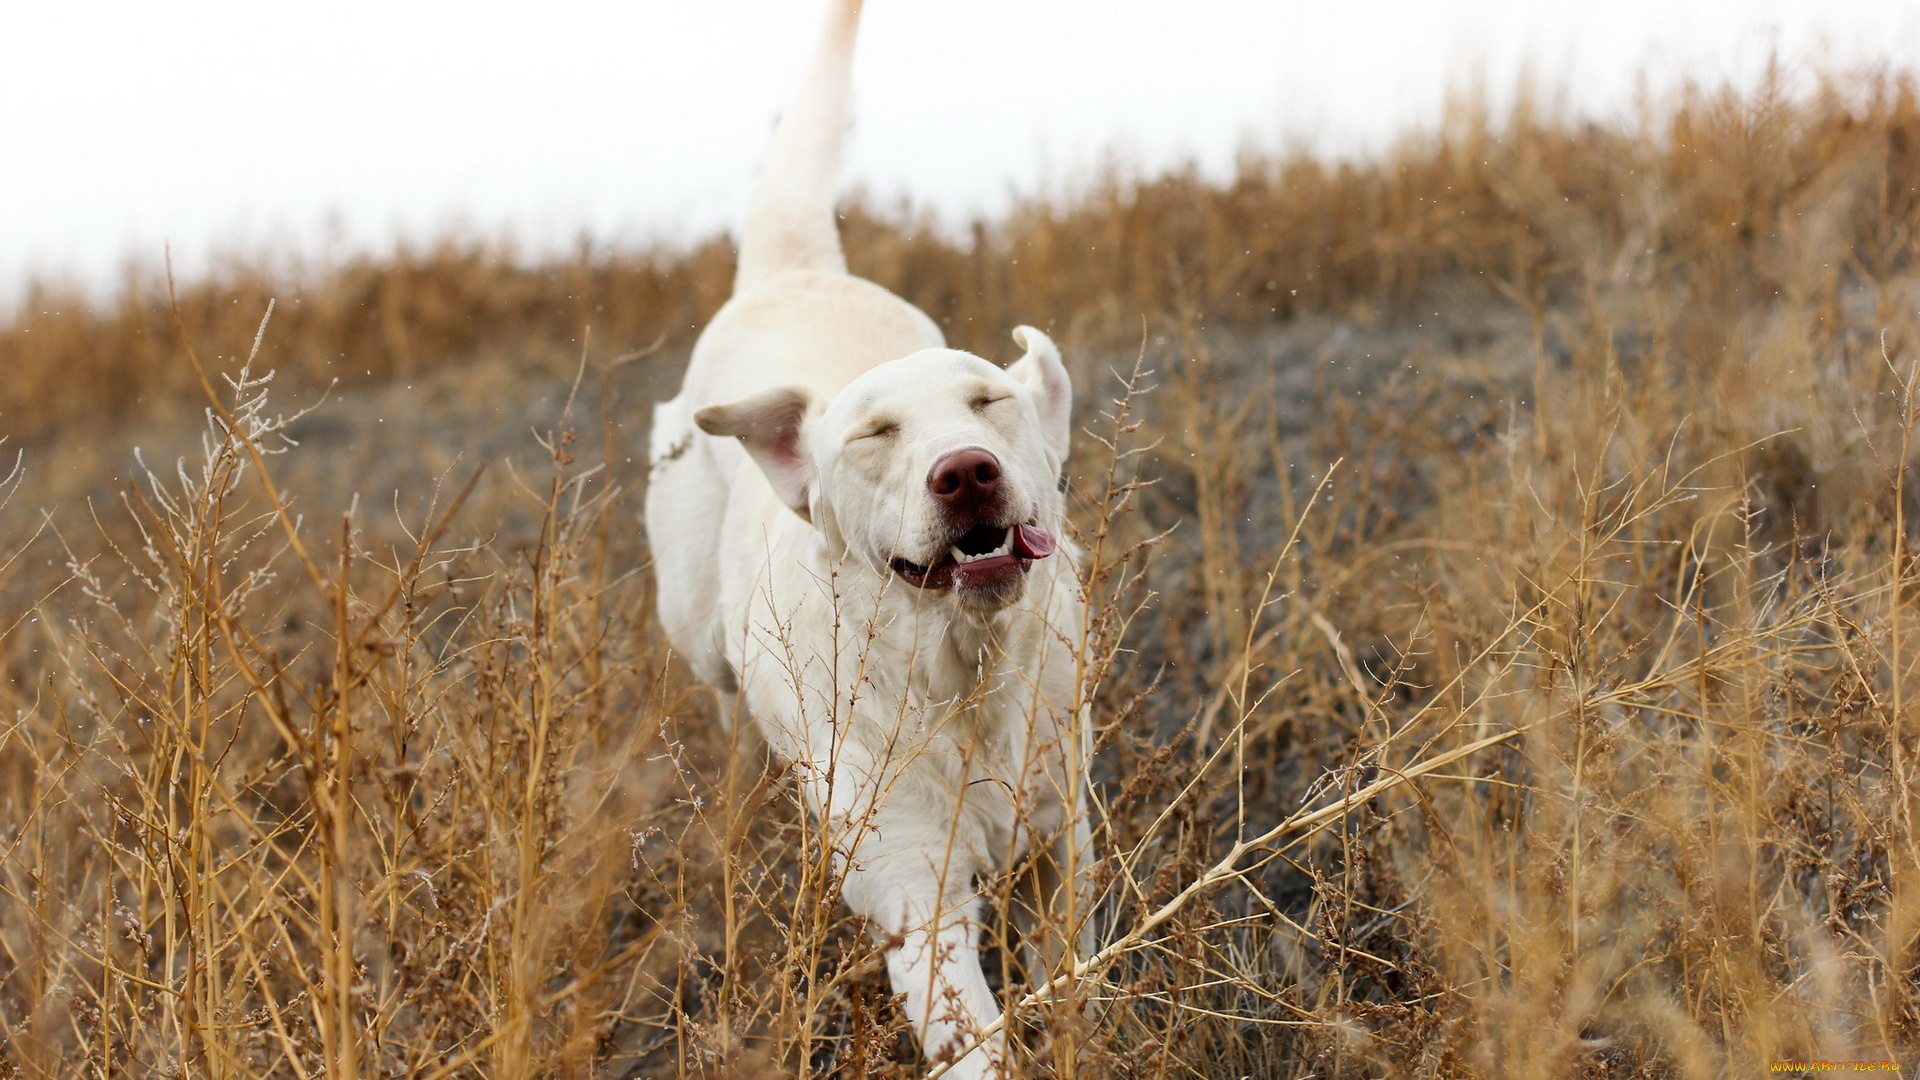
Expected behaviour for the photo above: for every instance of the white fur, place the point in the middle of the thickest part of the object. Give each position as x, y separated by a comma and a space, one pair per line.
935, 732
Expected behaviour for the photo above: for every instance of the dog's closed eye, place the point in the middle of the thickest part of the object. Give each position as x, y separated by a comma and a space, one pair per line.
879, 429
983, 401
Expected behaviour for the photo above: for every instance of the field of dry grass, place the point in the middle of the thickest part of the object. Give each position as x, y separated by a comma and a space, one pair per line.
1501, 557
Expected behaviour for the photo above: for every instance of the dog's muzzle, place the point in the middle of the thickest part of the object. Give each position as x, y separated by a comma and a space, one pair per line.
985, 557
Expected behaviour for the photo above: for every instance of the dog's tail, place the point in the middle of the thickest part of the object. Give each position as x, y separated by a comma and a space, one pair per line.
790, 215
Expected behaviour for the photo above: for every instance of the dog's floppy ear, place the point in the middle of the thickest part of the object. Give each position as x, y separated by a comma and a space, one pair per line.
1043, 374
769, 424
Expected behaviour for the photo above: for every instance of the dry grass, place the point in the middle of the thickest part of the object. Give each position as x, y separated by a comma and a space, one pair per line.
1503, 559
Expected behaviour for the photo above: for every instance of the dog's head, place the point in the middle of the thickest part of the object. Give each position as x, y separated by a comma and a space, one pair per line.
938, 467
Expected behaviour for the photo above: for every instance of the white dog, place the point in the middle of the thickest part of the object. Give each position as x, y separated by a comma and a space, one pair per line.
856, 530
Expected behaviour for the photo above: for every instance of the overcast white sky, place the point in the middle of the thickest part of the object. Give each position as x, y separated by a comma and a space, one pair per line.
319, 128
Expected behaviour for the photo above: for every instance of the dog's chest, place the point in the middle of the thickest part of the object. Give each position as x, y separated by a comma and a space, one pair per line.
952, 693
881, 697
978, 721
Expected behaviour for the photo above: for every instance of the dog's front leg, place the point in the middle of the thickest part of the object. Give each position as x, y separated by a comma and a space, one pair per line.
924, 906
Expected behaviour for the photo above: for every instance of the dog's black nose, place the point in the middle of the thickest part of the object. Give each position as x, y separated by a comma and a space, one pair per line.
965, 480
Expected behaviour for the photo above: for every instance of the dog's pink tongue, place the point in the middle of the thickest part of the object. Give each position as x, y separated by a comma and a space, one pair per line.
1031, 542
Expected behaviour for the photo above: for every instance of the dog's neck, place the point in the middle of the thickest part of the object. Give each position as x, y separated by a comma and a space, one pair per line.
956, 644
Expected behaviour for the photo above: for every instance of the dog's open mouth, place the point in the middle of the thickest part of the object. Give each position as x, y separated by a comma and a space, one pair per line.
983, 556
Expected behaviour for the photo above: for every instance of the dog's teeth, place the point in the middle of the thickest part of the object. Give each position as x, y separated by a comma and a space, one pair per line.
1006, 545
